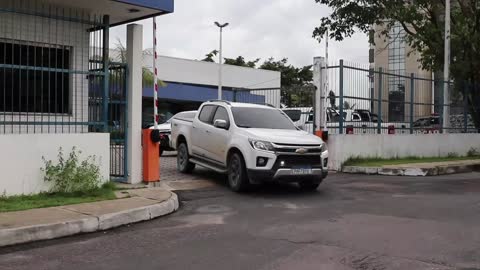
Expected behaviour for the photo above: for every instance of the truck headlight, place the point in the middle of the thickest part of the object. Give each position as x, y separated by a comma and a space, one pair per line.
262, 145
323, 147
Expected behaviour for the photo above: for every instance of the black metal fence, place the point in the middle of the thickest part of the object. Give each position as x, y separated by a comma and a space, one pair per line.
55, 75
47, 55
362, 100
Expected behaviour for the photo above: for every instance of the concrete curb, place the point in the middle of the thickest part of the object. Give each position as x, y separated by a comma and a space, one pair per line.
432, 171
87, 225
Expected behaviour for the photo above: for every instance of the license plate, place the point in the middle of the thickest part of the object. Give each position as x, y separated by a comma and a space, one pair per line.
302, 171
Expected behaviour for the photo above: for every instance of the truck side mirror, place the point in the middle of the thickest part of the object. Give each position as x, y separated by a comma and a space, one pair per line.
219, 123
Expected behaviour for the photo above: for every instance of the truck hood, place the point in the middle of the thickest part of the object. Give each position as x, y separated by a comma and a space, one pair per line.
283, 136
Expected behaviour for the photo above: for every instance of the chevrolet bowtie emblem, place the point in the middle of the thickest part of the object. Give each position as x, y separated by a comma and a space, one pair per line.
301, 151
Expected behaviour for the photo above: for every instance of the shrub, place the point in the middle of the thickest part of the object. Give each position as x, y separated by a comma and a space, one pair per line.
452, 155
473, 152
71, 174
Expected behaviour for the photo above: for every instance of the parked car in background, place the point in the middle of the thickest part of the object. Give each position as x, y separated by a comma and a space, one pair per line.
166, 131
427, 124
358, 121
251, 144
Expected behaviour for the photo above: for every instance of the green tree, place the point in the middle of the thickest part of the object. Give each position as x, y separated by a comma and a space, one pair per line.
240, 61
423, 22
147, 74
209, 57
297, 87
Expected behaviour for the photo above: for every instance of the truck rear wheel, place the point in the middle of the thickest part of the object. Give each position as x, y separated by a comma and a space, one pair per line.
237, 173
183, 159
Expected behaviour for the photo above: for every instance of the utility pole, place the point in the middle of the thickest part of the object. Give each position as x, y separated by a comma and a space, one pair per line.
446, 71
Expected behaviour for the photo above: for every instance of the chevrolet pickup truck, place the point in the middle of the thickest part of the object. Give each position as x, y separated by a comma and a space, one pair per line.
251, 144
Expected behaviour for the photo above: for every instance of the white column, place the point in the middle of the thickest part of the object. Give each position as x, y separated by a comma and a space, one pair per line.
134, 132
319, 81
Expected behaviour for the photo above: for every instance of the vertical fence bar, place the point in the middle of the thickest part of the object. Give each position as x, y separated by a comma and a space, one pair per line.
341, 97
315, 103
465, 108
106, 73
126, 124
442, 104
412, 99
380, 89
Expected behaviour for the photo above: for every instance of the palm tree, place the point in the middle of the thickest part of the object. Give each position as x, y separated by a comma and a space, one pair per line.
147, 74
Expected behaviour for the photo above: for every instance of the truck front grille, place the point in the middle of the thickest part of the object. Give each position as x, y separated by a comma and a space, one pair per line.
298, 160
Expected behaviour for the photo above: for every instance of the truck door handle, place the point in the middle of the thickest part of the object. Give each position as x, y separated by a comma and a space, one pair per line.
207, 131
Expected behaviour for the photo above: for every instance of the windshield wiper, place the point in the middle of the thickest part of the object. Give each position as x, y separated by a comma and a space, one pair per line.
243, 126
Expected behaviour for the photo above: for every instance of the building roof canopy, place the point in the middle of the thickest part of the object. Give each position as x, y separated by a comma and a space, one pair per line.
121, 11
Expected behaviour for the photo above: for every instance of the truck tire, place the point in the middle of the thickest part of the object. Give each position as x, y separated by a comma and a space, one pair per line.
183, 163
237, 173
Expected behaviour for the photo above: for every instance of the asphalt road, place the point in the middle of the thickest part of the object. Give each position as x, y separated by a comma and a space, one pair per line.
352, 222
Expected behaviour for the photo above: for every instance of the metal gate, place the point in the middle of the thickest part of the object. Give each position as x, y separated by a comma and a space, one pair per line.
117, 120
114, 116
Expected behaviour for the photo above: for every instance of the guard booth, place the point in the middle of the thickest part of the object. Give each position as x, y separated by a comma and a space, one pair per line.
57, 75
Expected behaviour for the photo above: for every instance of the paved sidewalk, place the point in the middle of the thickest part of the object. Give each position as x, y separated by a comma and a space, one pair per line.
418, 169
54, 222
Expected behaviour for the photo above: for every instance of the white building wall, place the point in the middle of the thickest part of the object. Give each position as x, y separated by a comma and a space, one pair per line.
171, 69
21, 156
343, 147
24, 29
205, 73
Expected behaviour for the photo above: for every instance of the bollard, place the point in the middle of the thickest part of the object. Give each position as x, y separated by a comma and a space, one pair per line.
391, 129
349, 129
323, 134
151, 159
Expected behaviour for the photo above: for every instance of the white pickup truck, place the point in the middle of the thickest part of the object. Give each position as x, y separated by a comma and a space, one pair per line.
251, 144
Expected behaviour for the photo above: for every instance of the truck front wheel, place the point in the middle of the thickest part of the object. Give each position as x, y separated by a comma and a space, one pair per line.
237, 173
183, 163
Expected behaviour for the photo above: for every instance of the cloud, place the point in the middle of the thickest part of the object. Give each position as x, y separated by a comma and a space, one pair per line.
258, 29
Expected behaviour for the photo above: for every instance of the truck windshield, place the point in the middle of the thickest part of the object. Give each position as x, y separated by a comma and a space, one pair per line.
250, 117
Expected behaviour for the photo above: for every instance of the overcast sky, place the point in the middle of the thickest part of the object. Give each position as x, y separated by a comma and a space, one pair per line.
258, 29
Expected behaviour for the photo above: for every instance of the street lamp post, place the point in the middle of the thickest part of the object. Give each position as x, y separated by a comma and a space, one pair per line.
221, 26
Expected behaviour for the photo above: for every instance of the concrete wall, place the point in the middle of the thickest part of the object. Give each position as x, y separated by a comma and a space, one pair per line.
21, 158
40, 31
342, 147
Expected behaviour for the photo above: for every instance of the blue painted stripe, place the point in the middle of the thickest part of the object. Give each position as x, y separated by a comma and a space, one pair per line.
160, 5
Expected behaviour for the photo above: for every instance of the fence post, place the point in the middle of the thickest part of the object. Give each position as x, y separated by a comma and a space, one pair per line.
106, 72
379, 101
465, 108
412, 99
341, 97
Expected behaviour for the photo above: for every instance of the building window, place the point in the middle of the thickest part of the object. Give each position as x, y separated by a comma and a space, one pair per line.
34, 77
396, 66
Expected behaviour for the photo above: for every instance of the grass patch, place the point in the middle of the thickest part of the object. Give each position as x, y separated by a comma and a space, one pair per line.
42, 200
379, 162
